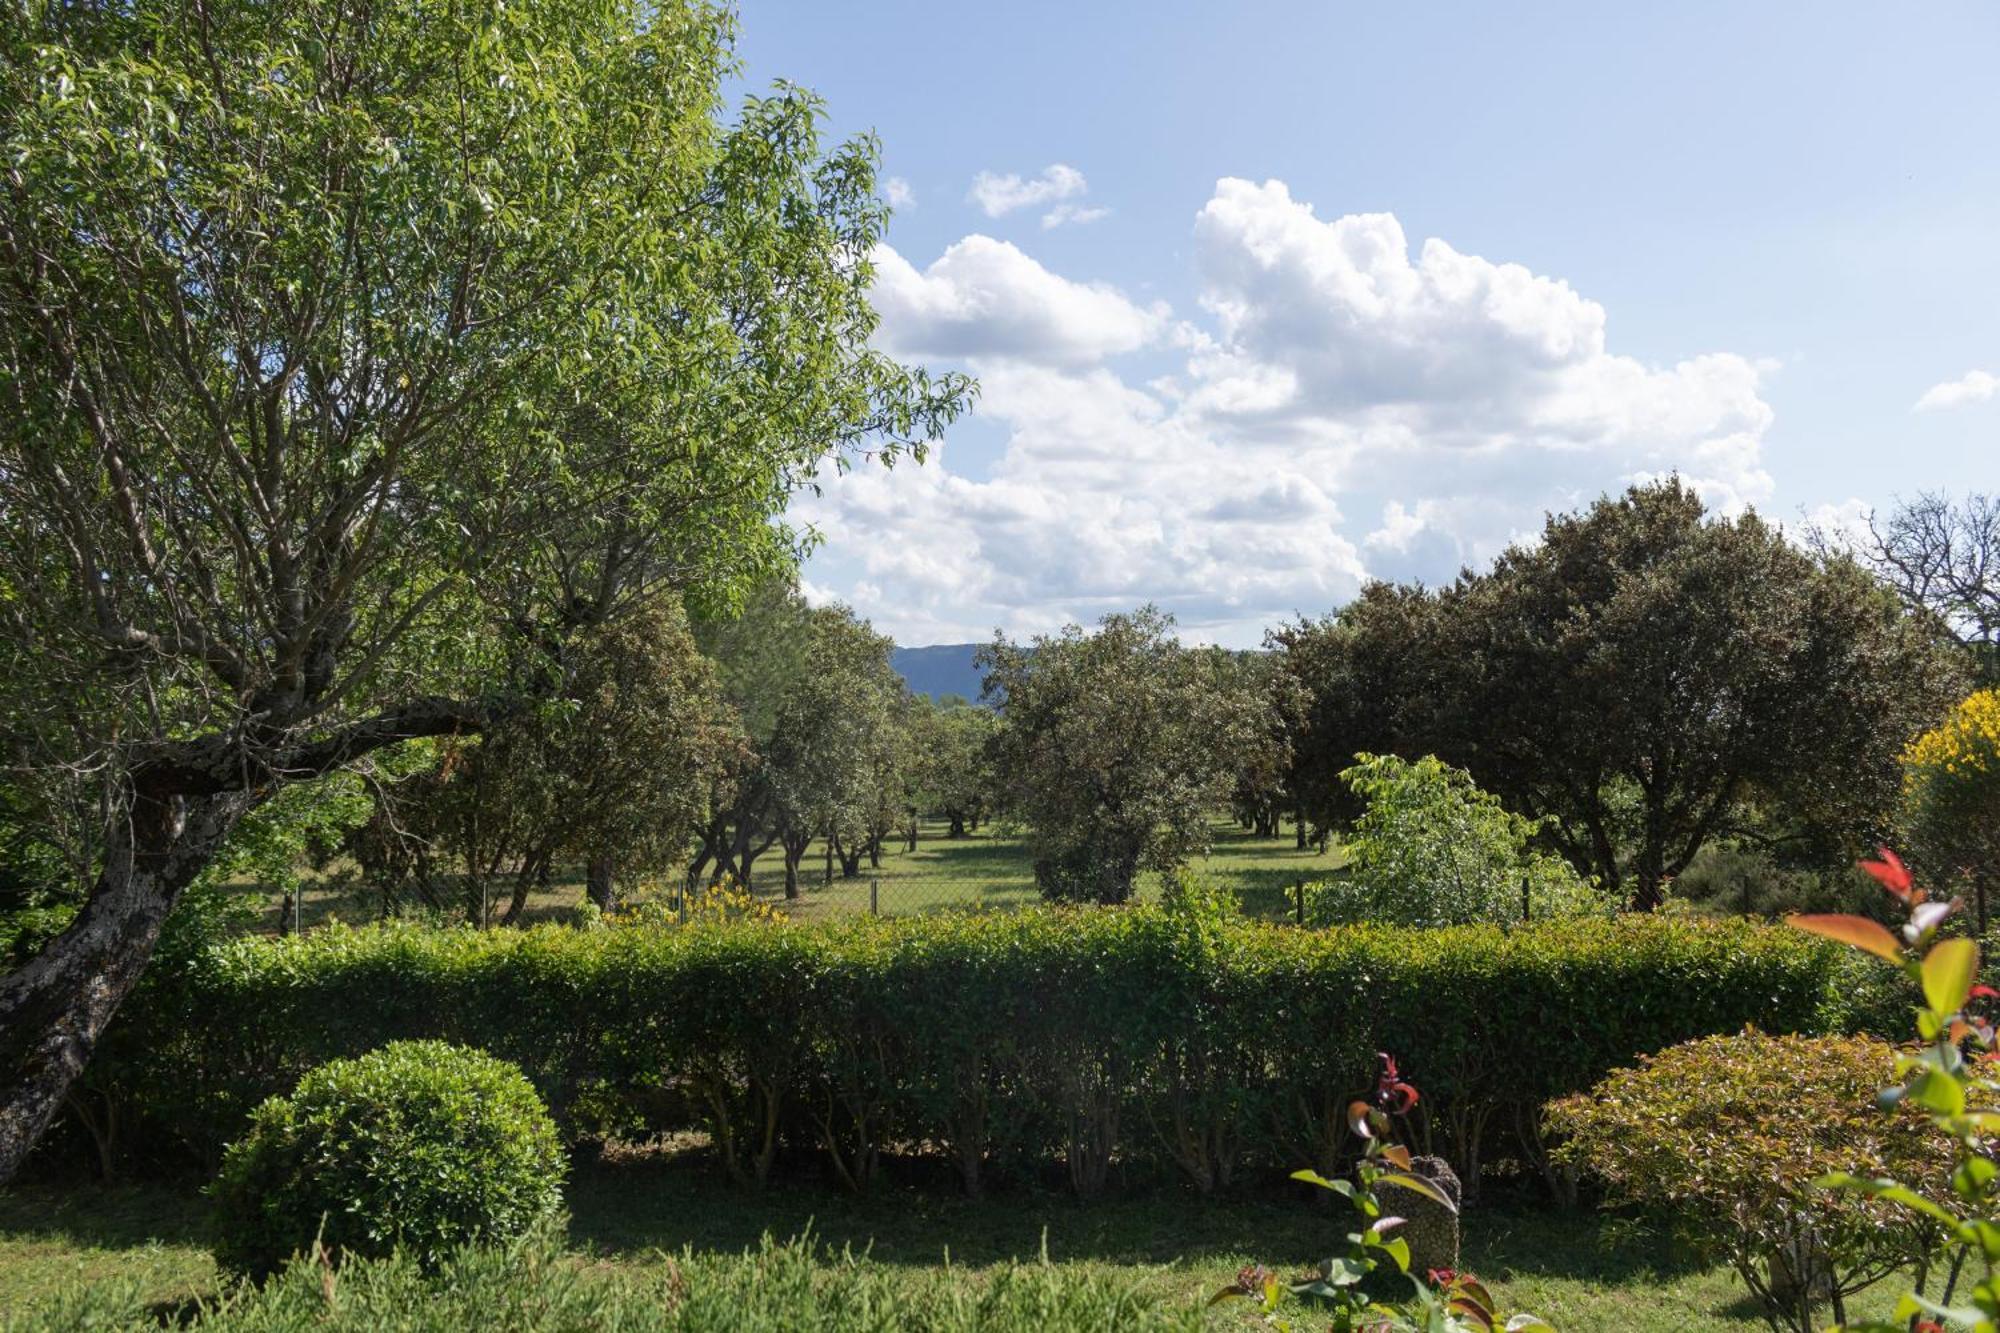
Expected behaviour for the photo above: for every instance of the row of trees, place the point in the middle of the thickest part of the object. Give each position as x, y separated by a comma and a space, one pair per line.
1645, 681
691, 749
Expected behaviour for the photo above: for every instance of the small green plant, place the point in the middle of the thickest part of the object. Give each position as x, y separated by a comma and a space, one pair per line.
1432, 849
1948, 1078
417, 1147
1350, 1284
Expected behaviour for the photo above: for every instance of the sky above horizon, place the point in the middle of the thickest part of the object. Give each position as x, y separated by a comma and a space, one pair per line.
1267, 299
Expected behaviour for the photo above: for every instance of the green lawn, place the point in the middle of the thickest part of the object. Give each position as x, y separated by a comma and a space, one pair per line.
989, 868
1582, 1270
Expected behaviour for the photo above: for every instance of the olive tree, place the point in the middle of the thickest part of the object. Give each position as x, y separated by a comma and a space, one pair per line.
1115, 747
608, 771
353, 359
818, 705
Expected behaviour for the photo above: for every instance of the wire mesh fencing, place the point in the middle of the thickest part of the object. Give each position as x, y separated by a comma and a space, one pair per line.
970, 867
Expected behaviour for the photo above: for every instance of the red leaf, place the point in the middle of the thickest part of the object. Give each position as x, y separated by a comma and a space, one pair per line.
1858, 931
1891, 872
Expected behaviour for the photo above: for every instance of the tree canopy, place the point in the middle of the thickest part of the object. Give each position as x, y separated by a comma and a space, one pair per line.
822, 713
1647, 676
1114, 748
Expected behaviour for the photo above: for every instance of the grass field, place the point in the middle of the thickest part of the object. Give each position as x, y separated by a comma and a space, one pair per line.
1582, 1270
990, 868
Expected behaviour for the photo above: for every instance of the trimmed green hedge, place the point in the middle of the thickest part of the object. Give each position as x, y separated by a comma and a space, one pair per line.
1084, 1037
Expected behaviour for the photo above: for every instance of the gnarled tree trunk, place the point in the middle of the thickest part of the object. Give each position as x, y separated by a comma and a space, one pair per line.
600, 881
54, 1010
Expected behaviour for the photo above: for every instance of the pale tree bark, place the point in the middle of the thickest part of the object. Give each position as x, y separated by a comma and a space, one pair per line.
54, 1010
169, 820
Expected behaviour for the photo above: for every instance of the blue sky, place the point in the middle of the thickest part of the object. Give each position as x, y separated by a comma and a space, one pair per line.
1282, 296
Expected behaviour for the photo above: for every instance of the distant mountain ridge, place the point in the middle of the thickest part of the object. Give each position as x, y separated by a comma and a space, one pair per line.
940, 669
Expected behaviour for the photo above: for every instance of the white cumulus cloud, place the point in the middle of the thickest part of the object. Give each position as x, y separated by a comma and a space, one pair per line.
1974, 386
899, 193
998, 195
984, 298
1063, 215
1346, 406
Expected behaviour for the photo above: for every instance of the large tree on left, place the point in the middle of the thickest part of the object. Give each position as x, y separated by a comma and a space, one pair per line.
354, 353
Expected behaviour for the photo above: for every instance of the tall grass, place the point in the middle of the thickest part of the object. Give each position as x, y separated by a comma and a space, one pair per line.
534, 1287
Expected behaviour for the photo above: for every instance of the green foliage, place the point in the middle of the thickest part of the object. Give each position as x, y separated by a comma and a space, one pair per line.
533, 1286
610, 769
1730, 1135
824, 717
352, 362
1115, 745
1200, 898
1432, 849
1944, 1080
419, 1146
953, 773
1145, 1036
1742, 877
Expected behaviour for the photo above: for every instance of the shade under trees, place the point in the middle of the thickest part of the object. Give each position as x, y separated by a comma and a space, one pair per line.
352, 361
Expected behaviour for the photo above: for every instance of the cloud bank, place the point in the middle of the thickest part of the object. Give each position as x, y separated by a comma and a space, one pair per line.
1339, 405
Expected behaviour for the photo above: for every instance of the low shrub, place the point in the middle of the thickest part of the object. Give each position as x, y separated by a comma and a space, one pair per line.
420, 1147
1729, 1135
1105, 1042
533, 1286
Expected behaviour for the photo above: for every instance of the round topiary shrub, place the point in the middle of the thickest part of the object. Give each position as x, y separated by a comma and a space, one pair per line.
420, 1146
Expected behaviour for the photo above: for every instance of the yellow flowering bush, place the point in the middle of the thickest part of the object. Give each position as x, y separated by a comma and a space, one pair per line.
709, 905
1951, 789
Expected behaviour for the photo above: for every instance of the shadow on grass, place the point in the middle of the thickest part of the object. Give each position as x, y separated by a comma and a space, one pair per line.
671, 1203
1516, 1236
110, 1217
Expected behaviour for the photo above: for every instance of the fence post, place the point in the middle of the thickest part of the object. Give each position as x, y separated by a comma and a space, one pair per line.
874, 895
